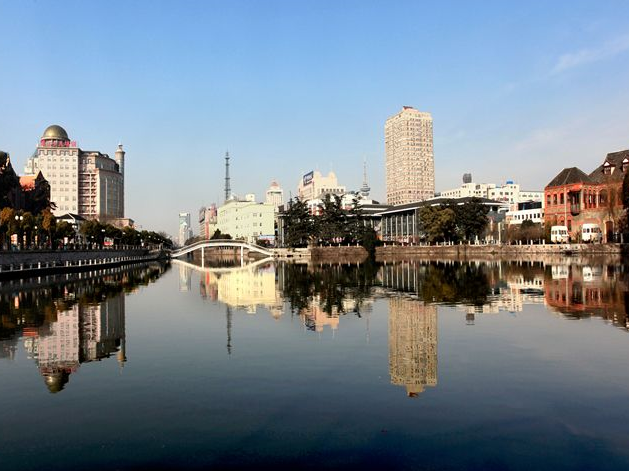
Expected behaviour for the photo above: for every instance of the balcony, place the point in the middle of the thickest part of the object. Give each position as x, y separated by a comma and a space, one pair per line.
575, 209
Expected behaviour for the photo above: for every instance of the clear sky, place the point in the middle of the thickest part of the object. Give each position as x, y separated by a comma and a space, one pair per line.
517, 90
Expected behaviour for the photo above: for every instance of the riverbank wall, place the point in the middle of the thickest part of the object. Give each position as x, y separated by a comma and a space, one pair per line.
37, 262
351, 254
540, 252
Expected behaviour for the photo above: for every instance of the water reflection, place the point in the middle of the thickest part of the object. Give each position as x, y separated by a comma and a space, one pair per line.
321, 295
412, 344
68, 320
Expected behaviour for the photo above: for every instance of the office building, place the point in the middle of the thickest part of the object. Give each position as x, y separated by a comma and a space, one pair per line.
410, 167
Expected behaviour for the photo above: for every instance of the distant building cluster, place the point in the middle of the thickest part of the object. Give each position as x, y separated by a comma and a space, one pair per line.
571, 199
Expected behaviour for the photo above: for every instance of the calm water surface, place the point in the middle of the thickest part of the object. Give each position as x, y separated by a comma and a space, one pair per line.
419, 365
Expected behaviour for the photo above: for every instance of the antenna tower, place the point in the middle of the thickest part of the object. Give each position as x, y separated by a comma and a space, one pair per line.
228, 190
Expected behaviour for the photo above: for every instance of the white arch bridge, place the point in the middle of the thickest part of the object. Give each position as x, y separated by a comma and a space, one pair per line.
221, 244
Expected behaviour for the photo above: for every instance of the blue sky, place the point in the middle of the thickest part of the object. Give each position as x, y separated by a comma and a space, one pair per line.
517, 90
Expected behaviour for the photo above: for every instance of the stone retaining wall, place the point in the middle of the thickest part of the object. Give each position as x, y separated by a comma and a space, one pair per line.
334, 254
489, 252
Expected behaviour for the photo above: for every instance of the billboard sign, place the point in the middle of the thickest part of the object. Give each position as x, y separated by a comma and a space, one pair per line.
308, 178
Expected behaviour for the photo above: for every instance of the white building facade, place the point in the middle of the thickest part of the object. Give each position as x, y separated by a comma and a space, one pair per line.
247, 220
87, 183
185, 230
508, 192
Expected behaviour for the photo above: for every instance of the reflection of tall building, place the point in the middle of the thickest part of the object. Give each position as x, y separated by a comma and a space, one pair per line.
185, 282
412, 344
80, 334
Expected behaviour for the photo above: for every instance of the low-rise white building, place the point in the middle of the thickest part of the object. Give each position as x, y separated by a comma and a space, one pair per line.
508, 192
247, 220
532, 210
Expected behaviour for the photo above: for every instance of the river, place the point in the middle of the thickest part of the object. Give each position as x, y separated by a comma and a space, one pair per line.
414, 365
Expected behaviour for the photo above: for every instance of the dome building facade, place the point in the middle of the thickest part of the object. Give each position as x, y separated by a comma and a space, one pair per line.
87, 183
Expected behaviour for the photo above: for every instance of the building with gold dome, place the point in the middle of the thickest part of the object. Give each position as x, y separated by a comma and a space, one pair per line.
87, 183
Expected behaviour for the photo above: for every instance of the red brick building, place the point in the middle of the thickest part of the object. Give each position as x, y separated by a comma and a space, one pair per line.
574, 198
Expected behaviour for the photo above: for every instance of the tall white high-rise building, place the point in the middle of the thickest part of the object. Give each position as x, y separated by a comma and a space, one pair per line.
87, 183
410, 166
185, 229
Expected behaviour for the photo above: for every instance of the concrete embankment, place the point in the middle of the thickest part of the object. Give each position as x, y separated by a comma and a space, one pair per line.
540, 252
336, 254
36, 262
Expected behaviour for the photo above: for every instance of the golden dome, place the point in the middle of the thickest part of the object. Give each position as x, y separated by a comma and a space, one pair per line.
55, 132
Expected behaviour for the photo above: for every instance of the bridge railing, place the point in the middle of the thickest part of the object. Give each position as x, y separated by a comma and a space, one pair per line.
217, 243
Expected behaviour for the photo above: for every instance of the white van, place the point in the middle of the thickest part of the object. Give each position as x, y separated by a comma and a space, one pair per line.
591, 233
559, 235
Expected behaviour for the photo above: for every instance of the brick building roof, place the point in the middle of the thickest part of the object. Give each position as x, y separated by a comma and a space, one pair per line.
613, 159
570, 175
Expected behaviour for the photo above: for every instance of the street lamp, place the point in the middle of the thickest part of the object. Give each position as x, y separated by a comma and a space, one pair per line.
36, 245
18, 220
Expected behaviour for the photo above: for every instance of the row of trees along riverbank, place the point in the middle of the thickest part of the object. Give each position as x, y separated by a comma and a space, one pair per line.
25, 230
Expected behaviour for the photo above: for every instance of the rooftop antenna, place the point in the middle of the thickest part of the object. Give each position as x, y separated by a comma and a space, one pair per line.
228, 190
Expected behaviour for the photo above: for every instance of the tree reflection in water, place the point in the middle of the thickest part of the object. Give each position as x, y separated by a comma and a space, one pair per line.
337, 288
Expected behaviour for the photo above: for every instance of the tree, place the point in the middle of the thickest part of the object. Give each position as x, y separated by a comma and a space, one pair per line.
219, 235
64, 230
92, 231
48, 223
7, 216
471, 218
28, 225
299, 224
437, 223
330, 224
130, 236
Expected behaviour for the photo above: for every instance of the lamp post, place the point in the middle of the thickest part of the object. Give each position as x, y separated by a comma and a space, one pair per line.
18, 221
103, 238
36, 241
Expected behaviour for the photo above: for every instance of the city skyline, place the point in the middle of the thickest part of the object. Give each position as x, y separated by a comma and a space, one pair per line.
516, 92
